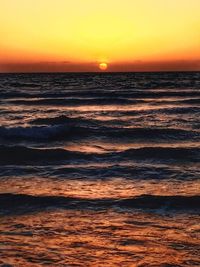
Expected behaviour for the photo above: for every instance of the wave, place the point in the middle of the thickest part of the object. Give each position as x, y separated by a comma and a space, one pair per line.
64, 128
157, 110
163, 153
58, 120
113, 170
22, 85
157, 202
22, 155
104, 94
152, 133
192, 101
164, 80
118, 100
45, 133
28, 203
77, 101
133, 172
180, 110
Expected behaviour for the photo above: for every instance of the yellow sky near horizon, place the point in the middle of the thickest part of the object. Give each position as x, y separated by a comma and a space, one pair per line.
99, 31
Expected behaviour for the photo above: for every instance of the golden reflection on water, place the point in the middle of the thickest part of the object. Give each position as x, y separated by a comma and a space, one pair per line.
100, 238
102, 146
95, 189
106, 237
133, 107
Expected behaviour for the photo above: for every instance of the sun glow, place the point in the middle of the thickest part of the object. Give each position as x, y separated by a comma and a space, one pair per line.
103, 66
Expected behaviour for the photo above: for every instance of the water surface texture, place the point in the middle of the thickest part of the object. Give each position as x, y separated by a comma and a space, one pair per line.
100, 170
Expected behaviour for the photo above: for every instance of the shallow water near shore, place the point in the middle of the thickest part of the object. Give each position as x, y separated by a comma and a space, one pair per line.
100, 169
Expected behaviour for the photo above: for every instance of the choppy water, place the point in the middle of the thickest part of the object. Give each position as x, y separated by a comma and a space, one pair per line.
100, 169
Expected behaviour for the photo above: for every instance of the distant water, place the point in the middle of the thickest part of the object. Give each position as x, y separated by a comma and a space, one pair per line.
100, 170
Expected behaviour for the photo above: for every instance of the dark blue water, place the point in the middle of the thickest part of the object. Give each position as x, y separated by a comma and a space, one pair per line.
100, 169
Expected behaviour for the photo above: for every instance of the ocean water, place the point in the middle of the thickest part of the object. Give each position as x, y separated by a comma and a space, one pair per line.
100, 169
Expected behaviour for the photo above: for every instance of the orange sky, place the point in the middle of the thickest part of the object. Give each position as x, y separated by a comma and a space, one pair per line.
77, 35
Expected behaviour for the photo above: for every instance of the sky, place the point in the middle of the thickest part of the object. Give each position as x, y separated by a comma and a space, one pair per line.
78, 35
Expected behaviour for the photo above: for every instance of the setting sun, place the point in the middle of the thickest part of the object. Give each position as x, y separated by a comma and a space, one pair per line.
103, 66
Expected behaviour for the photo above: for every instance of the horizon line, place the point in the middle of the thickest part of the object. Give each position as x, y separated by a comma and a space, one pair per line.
99, 72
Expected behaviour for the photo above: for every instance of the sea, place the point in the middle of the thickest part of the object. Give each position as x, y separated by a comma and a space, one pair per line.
100, 169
